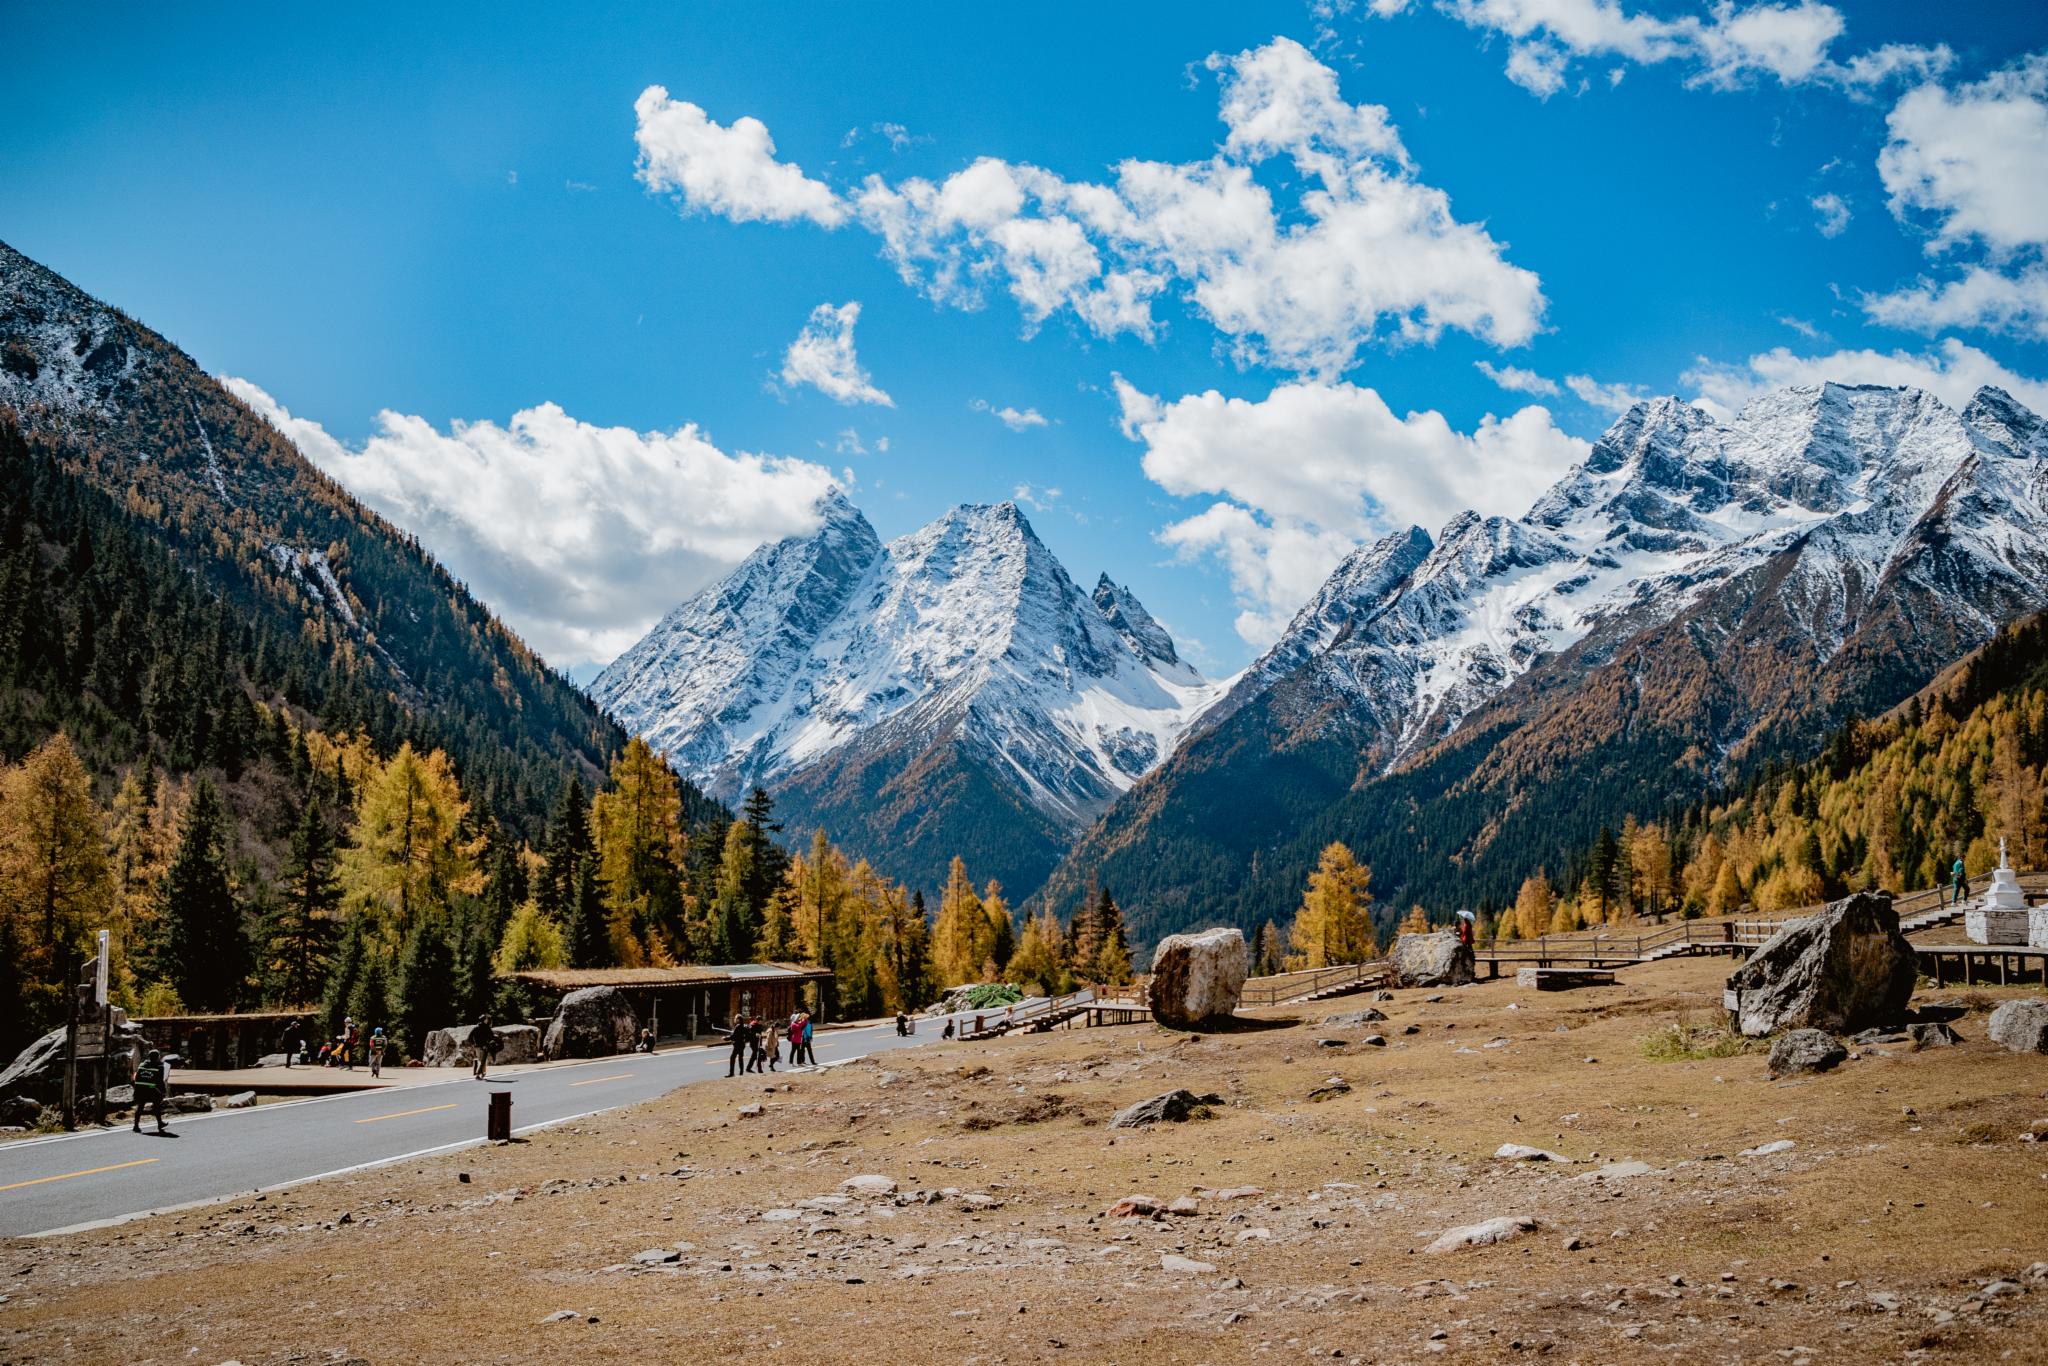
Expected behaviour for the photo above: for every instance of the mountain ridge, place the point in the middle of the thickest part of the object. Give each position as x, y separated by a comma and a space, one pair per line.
1692, 597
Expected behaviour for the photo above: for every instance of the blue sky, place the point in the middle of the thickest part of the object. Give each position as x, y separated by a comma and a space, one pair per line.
449, 219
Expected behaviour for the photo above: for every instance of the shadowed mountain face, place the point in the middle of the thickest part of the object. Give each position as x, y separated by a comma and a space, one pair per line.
950, 692
1697, 597
310, 596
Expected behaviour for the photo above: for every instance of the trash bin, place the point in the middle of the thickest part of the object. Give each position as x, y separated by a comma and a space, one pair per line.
501, 1117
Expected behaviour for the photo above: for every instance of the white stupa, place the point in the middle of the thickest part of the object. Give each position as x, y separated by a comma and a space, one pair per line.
2001, 916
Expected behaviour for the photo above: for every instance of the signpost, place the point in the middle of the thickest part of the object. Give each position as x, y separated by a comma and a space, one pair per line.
85, 1037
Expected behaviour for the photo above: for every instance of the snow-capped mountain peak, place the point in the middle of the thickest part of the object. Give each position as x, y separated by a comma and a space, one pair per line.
1410, 634
831, 648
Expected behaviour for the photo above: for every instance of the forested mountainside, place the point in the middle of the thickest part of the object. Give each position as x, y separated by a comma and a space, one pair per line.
168, 552
952, 692
1695, 601
1889, 802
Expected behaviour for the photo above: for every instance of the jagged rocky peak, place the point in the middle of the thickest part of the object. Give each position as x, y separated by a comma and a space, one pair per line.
2011, 427
832, 645
1122, 610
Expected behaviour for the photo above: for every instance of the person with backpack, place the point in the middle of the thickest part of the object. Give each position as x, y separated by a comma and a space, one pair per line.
483, 1041
1962, 881
294, 1042
376, 1050
152, 1086
810, 1053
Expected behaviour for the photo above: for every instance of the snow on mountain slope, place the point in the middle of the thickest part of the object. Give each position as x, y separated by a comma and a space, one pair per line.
1411, 634
967, 630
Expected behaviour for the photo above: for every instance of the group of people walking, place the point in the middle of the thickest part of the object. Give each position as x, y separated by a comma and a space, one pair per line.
757, 1043
340, 1051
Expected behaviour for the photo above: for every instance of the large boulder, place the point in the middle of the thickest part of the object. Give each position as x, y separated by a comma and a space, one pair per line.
1435, 959
450, 1047
2021, 1026
1844, 968
592, 1023
1197, 977
38, 1070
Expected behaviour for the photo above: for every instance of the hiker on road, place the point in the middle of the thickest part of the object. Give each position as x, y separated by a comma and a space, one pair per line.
742, 1038
152, 1085
810, 1051
377, 1042
294, 1042
483, 1041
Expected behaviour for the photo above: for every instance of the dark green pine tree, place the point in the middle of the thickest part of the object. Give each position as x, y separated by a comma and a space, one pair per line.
1603, 870
299, 931
205, 949
590, 937
475, 984
504, 882
343, 975
370, 1002
769, 864
569, 846
426, 985
1109, 925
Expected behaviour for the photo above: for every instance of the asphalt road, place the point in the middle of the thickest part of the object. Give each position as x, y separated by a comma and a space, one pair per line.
72, 1181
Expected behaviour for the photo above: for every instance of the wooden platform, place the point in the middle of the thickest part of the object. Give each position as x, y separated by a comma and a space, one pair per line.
2002, 964
1563, 979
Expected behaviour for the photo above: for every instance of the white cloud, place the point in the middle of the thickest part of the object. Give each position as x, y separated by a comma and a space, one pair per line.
1518, 380
1314, 468
729, 171
1968, 162
579, 536
1728, 46
823, 357
1012, 418
1609, 398
1952, 372
1831, 214
2014, 303
1972, 158
1355, 251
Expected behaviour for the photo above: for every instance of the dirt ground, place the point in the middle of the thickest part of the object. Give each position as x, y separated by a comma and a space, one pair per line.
1907, 1220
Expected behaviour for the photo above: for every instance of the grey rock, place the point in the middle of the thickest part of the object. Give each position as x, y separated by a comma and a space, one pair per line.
23, 1112
190, 1103
1383, 995
1479, 1235
1374, 1041
450, 1047
1844, 968
1356, 1017
594, 1022
2021, 1026
240, 1100
1805, 1050
1933, 1034
1172, 1107
656, 1256
1197, 978
1435, 959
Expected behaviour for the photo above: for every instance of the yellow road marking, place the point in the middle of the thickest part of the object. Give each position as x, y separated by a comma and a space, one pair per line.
89, 1171
616, 1076
424, 1110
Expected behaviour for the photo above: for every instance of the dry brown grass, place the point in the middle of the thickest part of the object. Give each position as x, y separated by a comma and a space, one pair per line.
1886, 1194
